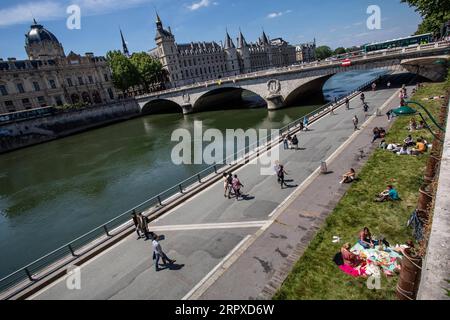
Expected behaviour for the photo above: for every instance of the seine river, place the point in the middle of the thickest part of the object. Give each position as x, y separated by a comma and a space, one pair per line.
54, 192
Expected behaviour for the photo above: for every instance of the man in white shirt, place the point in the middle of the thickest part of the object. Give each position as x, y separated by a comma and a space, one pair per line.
159, 253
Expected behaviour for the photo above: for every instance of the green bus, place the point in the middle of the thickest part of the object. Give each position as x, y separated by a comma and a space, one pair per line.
399, 43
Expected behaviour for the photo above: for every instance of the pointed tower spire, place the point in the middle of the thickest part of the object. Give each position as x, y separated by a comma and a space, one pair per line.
34, 21
124, 45
264, 38
229, 44
241, 41
159, 24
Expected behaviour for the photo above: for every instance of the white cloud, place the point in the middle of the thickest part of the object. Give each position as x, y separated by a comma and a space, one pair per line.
24, 13
52, 9
201, 4
273, 15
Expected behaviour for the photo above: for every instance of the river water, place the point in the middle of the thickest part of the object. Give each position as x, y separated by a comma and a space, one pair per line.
54, 192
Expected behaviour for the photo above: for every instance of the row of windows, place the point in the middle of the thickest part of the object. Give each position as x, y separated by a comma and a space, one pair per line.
52, 84
26, 103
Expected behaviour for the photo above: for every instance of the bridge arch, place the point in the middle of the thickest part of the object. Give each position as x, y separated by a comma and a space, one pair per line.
160, 106
306, 90
228, 97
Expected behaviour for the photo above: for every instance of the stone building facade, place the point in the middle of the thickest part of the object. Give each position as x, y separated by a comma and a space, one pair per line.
306, 52
50, 77
202, 61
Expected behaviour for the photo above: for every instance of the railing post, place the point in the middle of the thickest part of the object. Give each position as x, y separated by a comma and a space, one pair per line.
71, 250
106, 230
28, 274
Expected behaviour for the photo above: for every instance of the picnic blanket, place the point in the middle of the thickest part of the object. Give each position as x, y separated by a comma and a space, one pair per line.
387, 259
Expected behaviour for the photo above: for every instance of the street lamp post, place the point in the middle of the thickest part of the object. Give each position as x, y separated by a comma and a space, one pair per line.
405, 110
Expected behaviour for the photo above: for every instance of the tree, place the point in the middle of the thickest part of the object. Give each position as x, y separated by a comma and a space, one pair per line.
323, 52
433, 12
340, 50
124, 73
149, 69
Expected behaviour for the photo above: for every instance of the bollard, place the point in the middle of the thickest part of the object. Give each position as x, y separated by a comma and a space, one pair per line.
323, 167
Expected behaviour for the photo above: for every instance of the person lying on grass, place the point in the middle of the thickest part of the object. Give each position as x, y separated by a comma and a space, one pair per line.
390, 194
349, 176
349, 257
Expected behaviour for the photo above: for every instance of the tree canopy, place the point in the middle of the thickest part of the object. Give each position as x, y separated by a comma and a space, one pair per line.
323, 52
149, 69
433, 12
340, 50
124, 73
140, 69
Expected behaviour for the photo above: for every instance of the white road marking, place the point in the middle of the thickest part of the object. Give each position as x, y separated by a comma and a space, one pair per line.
210, 226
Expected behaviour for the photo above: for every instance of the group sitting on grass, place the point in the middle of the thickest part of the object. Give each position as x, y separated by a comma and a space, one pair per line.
370, 256
390, 194
409, 146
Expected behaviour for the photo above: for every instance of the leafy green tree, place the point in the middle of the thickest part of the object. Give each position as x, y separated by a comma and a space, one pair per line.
433, 12
124, 73
340, 50
149, 69
323, 52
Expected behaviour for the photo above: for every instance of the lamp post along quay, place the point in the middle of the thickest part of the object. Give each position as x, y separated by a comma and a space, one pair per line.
406, 110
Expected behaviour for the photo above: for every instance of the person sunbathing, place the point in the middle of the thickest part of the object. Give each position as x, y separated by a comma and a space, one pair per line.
403, 150
349, 257
390, 194
349, 176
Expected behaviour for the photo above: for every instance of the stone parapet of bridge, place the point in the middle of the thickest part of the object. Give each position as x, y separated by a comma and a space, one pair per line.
279, 87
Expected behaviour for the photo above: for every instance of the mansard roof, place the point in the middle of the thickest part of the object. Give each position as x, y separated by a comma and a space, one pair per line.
198, 47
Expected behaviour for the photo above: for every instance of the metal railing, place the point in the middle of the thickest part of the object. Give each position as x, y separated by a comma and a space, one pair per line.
71, 251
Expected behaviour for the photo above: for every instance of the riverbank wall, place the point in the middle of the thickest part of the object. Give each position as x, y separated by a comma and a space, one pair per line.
24, 133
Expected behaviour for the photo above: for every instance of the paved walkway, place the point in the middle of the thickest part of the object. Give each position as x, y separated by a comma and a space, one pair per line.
208, 233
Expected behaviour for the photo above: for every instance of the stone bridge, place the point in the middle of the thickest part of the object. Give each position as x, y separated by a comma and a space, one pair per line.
281, 87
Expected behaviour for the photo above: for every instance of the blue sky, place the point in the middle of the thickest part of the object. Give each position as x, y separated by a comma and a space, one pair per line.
331, 22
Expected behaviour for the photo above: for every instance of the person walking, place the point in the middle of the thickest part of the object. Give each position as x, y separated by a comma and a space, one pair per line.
158, 253
295, 142
362, 97
285, 142
281, 173
237, 185
366, 109
144, 225
374, 86
225, 184
276, 168
355, 122
230, 184
305, 123
388, 85
136, 225
347, 103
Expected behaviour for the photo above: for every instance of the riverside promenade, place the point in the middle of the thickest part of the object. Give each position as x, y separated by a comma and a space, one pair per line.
228, 249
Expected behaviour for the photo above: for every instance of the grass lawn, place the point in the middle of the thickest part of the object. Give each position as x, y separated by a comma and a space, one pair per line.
315, 276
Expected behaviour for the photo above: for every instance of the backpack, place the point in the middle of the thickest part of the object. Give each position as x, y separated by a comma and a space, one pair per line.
338, 259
